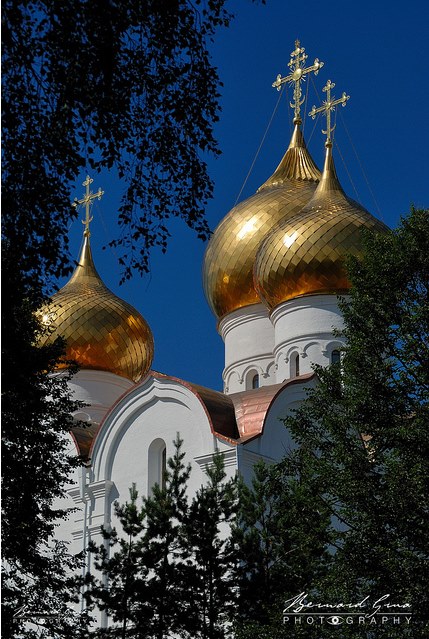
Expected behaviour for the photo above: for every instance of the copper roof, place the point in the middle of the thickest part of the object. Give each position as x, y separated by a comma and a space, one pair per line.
83, 437
218, 407
252, 406
235, 418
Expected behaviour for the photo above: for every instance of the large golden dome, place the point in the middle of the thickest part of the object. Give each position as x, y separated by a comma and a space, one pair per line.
230, 255
102, 331
305, 254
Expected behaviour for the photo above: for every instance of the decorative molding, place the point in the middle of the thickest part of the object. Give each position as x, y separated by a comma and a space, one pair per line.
206, 461
250, 363
249, 458
100, 489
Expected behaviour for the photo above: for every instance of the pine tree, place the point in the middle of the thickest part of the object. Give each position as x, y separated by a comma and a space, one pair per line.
212, 589
122, 591
167, 572
143, 564
166, 513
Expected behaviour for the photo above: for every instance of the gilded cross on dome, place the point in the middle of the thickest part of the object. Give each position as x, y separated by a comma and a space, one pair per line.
329, 105
87, 201
297, 75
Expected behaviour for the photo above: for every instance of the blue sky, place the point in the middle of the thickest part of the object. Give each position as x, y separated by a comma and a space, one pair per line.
378, 53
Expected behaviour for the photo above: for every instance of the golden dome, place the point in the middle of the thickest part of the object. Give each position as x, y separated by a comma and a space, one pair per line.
230, 255
102, 332
305, 255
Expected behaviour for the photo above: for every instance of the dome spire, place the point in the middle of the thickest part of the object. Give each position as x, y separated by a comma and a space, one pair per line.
329, 105
297, 163
297, 75
329, 180
87, 200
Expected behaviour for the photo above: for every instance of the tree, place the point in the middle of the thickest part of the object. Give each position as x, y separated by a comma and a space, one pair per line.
281, 537
122, 591
142, 585
212, 588
366, 430
122, 85
36, 415
168, 571
119, 85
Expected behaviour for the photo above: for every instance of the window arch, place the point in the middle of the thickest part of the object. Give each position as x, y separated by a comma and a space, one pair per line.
294, 365
252, 379
157, 464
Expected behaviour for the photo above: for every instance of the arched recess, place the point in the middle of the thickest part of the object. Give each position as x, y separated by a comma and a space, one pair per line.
294, 364
333, 351
252, 379
156, 464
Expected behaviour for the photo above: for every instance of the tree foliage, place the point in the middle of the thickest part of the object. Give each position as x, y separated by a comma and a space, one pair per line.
281, 536
212, 587
165, 572
120, 84
366, 431
36, 415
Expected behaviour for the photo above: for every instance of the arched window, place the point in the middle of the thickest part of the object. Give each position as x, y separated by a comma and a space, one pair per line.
157, 464
251, 380
335, 357
294, 365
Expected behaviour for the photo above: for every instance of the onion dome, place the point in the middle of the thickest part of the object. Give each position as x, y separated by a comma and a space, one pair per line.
102, 332
305, 255
231, 252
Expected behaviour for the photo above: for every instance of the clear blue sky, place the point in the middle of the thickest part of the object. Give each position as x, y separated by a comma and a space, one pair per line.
378, 53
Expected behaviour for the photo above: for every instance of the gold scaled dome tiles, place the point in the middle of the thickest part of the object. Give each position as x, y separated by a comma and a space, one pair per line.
102, 331
230, 255
305, 255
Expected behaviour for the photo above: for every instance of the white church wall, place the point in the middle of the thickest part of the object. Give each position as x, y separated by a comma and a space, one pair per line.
69, 529
275, 441
248, 335
99, 390
153, 411
304, 327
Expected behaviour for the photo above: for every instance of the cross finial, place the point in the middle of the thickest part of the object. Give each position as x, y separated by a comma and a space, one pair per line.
87, 200
329, 105
297, 75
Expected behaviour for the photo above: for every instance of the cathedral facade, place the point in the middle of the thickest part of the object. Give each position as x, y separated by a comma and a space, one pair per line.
272, 272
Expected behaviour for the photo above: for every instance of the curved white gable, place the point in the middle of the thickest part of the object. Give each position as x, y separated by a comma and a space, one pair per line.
157, 407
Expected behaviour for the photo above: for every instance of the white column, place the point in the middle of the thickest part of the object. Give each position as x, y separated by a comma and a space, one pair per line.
248, 335
305, 327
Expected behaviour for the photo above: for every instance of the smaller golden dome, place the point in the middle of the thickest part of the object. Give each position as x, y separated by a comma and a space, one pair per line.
305, 255
230, 255
102, 332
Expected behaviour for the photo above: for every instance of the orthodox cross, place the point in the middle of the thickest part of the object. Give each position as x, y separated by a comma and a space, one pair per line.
87, 200
297, 75
329, 105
